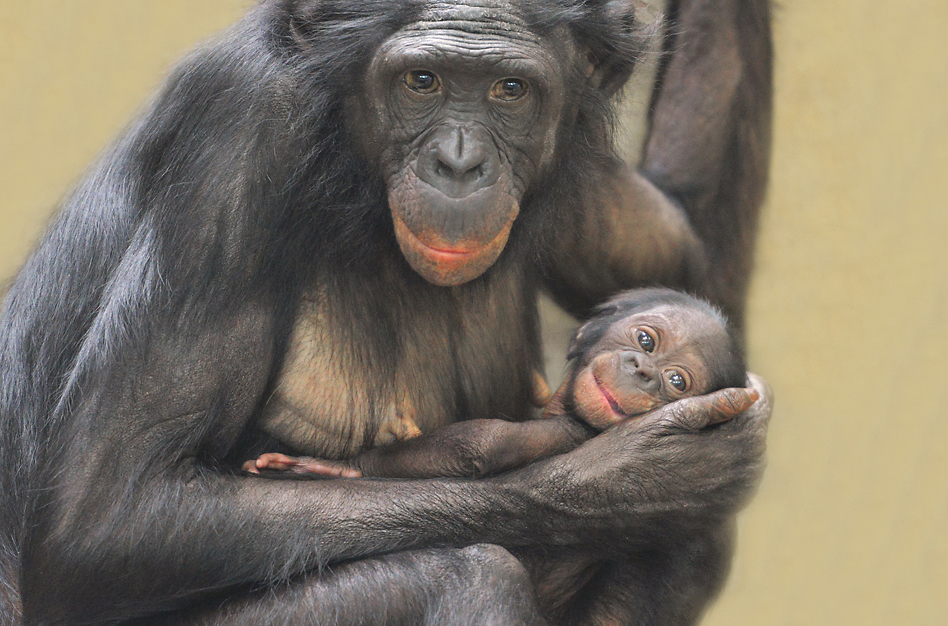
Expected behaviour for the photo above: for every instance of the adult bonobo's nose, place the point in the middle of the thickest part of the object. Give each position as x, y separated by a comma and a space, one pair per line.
459, 160
641, 370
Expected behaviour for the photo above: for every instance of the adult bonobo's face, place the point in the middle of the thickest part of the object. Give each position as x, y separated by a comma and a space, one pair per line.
461, 116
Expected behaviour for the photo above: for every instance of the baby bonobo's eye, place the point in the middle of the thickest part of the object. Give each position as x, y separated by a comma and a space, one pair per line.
677, 380
645, 340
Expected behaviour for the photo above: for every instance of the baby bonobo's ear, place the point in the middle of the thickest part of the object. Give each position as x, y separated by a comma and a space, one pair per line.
573, 351
587, 334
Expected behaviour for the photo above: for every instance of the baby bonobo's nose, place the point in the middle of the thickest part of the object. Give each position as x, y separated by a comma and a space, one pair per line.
639, 367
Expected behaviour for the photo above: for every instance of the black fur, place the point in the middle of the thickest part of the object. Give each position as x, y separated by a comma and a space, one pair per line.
149, 327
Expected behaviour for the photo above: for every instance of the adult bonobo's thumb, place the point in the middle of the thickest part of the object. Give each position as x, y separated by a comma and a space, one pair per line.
702, 411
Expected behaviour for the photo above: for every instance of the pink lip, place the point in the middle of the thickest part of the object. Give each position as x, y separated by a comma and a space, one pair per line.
441, 256
446, 254
613, 403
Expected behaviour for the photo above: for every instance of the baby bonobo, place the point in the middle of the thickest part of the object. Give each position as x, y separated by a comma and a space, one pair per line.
642, 349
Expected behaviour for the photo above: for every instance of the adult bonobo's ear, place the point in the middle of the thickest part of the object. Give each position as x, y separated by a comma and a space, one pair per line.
302, 15
620, 43
349, 26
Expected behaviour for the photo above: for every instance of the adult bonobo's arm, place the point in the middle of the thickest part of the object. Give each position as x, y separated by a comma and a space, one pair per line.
687, 217
144, 336
136, 521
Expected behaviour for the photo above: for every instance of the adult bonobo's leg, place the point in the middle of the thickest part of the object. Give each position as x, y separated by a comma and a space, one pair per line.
655, 586
481, 584
688, 215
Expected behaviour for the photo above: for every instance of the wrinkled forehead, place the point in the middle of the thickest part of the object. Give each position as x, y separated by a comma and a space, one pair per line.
470, 35
480, 16
689, 324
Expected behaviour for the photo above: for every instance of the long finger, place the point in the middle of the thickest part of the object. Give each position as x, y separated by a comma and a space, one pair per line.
703, 411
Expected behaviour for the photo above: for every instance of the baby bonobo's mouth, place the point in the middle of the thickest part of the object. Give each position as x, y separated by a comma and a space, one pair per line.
613, 403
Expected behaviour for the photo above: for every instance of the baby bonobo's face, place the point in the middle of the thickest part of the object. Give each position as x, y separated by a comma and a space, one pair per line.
645, 360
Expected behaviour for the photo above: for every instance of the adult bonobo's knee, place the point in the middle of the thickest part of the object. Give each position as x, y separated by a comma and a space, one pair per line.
496, 590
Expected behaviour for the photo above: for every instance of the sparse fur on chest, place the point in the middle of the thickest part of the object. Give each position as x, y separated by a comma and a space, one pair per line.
370, 358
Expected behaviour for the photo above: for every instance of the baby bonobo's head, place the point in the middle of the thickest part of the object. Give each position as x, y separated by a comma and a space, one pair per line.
645, 348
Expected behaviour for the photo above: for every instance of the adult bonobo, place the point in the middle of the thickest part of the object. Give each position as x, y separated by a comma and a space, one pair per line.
339, 216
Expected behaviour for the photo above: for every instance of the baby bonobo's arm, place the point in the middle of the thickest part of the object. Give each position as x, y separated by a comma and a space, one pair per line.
475, 448
472, 448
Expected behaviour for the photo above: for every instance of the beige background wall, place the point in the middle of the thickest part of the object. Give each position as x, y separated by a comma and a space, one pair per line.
848, 312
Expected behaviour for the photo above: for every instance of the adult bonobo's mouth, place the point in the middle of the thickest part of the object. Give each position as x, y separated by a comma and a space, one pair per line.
446, 265
450, 241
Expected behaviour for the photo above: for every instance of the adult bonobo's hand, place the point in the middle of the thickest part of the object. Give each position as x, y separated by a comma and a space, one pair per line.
678, 468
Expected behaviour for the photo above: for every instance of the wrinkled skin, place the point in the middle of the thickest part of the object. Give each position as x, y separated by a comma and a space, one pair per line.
288, 247
463, 120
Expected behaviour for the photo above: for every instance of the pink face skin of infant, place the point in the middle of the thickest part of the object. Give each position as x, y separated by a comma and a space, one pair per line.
644, 361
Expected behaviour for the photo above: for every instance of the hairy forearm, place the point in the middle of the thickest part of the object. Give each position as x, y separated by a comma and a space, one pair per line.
630, 235
219, 531
132, 548
474, 449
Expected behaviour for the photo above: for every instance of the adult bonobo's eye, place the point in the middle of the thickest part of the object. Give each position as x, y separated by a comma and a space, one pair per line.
422, 81
645, 340
677, 380
508, 89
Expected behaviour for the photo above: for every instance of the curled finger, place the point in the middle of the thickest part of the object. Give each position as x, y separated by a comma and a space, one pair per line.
714, 408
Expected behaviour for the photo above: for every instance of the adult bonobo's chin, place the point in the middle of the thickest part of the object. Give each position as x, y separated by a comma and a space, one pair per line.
461, 116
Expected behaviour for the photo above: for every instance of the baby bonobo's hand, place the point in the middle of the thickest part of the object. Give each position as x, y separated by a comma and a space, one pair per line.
274, 461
